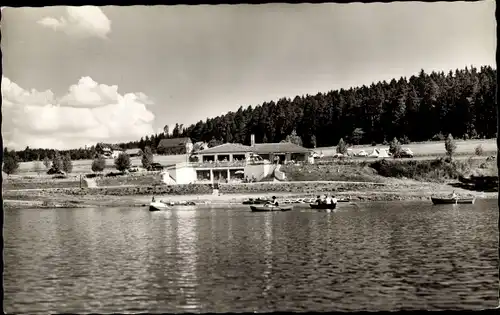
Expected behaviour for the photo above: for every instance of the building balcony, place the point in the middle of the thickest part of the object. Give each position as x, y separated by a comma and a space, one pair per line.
219, 164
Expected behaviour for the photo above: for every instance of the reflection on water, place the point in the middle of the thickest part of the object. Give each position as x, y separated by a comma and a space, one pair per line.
382, 256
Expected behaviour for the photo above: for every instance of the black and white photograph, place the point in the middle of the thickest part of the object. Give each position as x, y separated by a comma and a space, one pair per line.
250, 158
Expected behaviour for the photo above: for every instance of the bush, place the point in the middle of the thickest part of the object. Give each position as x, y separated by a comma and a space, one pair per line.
450, 146
374, 144
385, 142
10, 164
113, 174
479, 150
357, 136
395, 148
98, 164
435, 170
122, 162
341, 147
57, 163
405, 140
67, 165
438, 137
147, 158
46, 162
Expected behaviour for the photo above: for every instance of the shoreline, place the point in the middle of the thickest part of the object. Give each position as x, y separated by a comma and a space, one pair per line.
44, 200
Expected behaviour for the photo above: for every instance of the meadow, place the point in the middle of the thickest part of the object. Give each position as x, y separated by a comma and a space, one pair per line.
84, 166
422, 149
426, 149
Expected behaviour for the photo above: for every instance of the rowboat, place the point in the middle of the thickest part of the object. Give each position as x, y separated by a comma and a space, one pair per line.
323, 206
344, 199
157, 206
180, 203
458, 200
257, 201
270, 208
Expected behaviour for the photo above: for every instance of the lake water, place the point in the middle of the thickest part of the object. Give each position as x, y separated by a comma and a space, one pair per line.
379, 256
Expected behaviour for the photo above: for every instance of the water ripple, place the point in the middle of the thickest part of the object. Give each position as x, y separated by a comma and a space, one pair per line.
383, 256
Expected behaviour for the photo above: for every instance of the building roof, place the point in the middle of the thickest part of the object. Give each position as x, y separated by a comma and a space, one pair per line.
282, 147
111, 146
227, 148
174, 142
133, 151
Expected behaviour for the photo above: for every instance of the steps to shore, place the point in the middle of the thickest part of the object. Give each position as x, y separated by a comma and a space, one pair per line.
91, 183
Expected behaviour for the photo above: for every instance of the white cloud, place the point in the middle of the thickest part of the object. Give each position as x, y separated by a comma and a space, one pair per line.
85, 21
88, 113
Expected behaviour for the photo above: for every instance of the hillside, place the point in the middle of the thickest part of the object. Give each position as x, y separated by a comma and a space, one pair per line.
420, 108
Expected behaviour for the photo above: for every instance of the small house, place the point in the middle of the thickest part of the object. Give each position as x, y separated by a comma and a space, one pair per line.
175, 146
134, 152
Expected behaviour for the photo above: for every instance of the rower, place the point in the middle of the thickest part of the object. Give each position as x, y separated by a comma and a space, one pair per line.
328, 200
334, 200
318, 200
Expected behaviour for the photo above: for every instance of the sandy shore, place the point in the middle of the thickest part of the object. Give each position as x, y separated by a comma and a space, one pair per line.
33, 199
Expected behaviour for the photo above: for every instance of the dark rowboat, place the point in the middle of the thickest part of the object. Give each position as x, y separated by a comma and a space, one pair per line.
323, 206
257, 201
348, 199
447, 201
270, 208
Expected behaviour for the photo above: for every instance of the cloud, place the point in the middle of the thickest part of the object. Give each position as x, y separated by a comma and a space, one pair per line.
88, 113
85, 21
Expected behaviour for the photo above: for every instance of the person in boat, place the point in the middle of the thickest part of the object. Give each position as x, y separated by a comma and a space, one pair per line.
318, 200
334, 200
323, 199
273, 202
153, 199
328, 200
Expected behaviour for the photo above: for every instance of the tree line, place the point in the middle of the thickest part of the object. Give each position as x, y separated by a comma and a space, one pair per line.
420, 108
62, 164
423, 107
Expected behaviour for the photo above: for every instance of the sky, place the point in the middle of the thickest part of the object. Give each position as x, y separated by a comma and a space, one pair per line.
75, 76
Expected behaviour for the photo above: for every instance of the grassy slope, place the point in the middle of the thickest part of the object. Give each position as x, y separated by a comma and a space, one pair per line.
84, 166
429, 148
386, 170
420, 149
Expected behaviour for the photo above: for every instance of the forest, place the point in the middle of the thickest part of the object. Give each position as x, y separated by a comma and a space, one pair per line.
420, 108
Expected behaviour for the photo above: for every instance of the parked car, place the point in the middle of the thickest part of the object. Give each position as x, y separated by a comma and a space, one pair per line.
155, 167
406, 153
52, 171
134, 169
362, 153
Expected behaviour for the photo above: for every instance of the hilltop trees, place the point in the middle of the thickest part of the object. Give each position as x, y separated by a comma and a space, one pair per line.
461, 102
293, 138
419, 108
122, 162
357, 136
